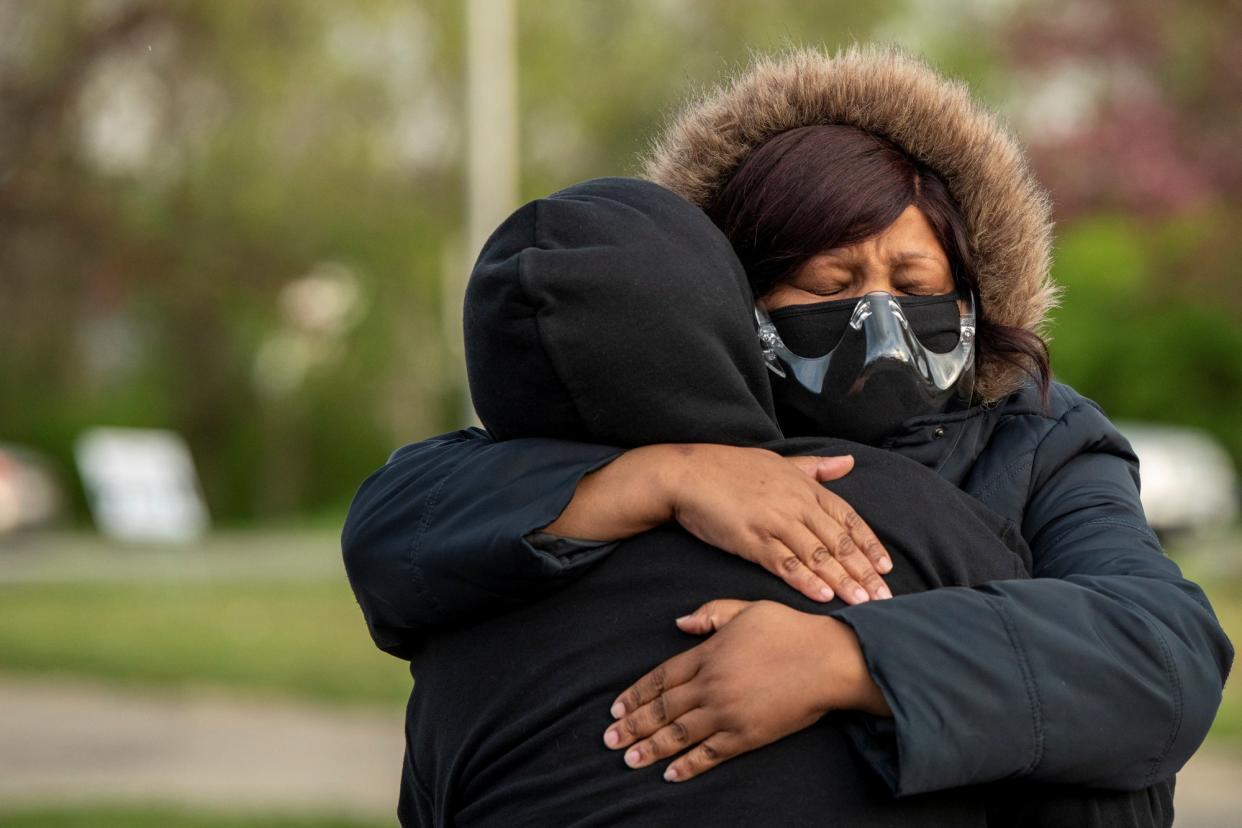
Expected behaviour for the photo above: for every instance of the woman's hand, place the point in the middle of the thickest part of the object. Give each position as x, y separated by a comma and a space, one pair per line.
768, 672
754, 503
773, 510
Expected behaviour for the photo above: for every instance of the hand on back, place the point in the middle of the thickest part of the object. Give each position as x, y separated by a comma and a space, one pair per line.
754, 503
765, 672
774, 511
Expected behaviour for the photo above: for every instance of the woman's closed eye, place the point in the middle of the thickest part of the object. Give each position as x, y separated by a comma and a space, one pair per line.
824, 290
823, 279
897, 287
918, 289
920, 278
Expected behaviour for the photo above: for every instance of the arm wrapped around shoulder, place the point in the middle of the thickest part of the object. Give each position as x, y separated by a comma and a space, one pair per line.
437, 536
1159, 649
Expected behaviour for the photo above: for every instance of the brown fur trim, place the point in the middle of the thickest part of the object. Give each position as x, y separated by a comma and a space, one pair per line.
885, 90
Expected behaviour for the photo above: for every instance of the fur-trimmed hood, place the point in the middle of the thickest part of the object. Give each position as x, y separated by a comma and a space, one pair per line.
885, 90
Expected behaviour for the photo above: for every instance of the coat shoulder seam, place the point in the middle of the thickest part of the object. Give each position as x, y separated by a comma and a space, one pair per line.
1020, 458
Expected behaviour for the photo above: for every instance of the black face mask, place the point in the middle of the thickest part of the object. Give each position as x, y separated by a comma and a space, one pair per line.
866, 412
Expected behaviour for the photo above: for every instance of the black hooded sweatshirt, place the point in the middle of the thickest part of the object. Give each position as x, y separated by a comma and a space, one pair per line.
573, 329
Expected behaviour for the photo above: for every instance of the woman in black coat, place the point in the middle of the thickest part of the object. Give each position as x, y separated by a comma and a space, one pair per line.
1113, 662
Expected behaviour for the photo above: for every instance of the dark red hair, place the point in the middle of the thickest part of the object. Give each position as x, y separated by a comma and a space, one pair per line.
814, 188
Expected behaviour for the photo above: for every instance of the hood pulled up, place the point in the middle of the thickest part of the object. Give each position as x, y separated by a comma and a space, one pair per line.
614, 311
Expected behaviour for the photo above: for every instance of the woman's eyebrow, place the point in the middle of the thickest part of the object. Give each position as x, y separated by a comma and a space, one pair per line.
906, 255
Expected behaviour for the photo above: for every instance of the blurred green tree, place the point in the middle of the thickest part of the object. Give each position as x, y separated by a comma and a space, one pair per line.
166, 171
169, 171
1132, 115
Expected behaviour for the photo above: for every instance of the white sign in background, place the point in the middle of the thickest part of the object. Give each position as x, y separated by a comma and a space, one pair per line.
141, 484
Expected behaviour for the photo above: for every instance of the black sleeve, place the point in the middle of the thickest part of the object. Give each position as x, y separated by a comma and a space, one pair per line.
1105, 670
438, 535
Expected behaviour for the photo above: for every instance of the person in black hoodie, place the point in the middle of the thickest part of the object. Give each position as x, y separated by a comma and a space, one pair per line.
574, 319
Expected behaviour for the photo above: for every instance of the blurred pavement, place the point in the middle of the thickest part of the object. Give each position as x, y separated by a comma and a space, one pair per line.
86, 743
1209, 792
69, 742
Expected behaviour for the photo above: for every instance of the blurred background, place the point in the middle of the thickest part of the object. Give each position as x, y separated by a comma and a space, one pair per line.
232, 243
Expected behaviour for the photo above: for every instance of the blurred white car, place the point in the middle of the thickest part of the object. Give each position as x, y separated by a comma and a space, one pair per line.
1189, 482
29, 494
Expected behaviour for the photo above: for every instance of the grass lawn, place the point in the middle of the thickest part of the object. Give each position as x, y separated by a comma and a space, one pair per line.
300, 639
107, 816
1215, 563
1226, 598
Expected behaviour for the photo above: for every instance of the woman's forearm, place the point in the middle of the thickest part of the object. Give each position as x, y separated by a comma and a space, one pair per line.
629, 495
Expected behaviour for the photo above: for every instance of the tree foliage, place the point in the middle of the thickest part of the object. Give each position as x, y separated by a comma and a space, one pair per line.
176, 176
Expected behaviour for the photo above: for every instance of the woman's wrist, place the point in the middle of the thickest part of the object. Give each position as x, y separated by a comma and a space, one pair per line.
666, 469
848, 684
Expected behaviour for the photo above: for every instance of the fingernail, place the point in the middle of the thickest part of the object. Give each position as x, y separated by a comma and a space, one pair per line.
861, 595
670, 775
885, 565
883, 593
826, 594
632, 757
611, 738
617, 710
684, 619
